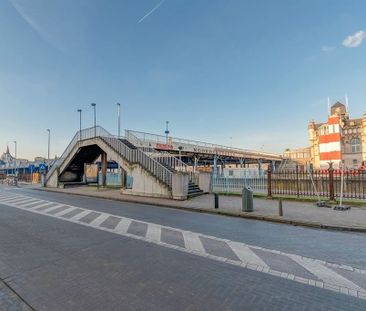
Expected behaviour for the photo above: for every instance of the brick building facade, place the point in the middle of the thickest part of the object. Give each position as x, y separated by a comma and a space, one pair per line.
339, 139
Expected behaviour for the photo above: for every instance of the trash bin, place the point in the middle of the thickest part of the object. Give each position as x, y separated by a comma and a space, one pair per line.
247, 199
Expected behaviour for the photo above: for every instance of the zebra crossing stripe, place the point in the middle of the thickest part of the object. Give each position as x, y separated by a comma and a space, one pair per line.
14, 200
61, 213
123, 226
324, 273
51, 208
40, 205
80, 215
99, 220
245, 254
153, 232
30, 203
192, 242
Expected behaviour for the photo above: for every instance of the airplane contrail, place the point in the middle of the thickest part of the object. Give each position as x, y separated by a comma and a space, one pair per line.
151, 11
34, 24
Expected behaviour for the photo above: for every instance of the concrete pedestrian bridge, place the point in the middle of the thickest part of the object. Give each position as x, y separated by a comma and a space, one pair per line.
146, 166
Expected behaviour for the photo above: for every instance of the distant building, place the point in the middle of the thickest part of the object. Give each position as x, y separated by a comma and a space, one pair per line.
339, 139
301, 156
6, 157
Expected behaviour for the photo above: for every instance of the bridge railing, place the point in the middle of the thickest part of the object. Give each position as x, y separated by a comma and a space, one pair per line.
140, 157
80, 135
148, 138
163, 157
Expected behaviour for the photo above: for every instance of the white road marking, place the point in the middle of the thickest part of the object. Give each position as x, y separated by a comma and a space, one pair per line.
52, 208
193, 242
99, 220
246, 254
153, 232
15, 200
122, 226
40, 205
324, 273
33, 202
80, 215
69, 209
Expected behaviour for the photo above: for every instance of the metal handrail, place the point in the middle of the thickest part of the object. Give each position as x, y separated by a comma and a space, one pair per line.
80, 135
140, 157
149, 137
164, 157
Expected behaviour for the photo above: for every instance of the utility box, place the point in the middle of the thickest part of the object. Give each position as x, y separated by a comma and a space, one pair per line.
247, 200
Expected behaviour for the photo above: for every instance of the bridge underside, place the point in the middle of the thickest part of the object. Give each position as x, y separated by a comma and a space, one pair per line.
74, 172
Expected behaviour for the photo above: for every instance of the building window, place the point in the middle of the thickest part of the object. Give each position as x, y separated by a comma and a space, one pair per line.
356, 145
355, 163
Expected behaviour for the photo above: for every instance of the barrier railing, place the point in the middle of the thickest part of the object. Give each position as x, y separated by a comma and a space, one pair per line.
138, 156
163, 157
80, 135
148, 138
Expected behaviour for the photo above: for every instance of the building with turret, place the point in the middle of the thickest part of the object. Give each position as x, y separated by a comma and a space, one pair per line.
339, 139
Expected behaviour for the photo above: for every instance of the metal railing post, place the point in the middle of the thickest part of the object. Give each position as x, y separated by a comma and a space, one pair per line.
269, 182
331, 182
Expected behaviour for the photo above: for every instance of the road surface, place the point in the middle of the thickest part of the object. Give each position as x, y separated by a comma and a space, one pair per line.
65, 252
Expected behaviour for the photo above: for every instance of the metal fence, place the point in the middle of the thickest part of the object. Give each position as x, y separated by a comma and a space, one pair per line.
228, 185
325, 184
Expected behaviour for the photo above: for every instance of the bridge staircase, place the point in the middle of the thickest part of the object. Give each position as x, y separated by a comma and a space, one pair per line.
170, 162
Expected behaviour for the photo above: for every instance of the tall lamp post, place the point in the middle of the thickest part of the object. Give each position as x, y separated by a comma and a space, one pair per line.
48, 148
95, 118
119, 119
79, 111
167, 131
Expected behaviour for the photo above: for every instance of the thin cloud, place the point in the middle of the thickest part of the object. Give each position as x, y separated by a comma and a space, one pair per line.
32, 22
328, 49
151, 11
355, 40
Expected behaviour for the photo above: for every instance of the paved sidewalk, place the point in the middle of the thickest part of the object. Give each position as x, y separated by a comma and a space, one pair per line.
296, 213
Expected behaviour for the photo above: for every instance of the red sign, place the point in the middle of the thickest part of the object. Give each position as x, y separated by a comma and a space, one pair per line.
163, 146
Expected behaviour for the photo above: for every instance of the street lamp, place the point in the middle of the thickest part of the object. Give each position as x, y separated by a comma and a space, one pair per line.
79, 111
95, 118
48, 149
167, 131
119, 119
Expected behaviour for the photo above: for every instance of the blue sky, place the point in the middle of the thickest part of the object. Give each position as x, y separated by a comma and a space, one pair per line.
256, 71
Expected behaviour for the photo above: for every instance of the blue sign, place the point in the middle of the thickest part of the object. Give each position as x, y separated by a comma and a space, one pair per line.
31, 167
42, 167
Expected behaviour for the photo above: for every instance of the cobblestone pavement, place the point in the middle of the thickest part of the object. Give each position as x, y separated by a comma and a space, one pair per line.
277, 269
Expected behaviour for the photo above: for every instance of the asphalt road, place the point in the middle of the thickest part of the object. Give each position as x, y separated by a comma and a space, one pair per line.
64, 263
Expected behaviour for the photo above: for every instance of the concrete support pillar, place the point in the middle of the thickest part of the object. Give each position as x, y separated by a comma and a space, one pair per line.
215, 166
204, 181
180, 186
104, 170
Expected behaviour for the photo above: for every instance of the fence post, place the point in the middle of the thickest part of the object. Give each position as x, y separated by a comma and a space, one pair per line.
269, 182
331, 181
297, 182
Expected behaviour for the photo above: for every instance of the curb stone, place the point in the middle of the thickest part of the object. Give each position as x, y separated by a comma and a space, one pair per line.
245, 215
